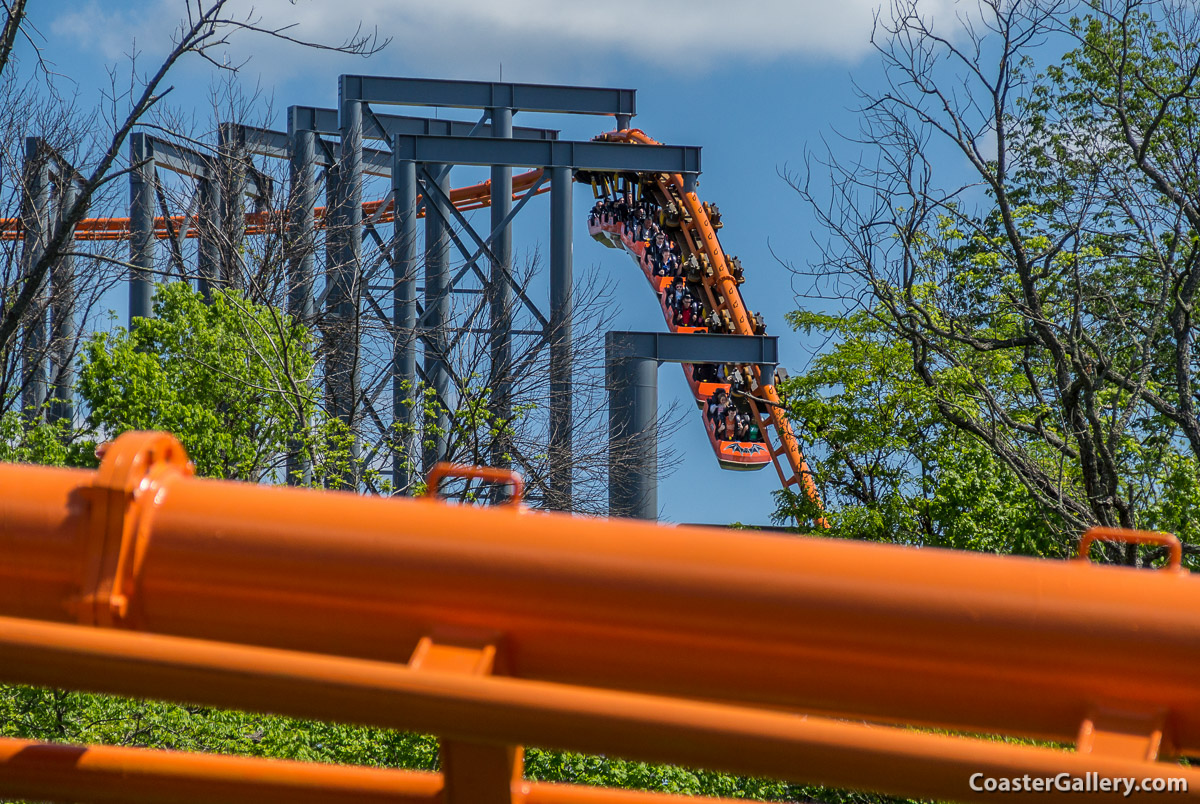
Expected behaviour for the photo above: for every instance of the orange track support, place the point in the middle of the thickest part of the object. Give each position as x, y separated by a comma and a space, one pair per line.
489, 628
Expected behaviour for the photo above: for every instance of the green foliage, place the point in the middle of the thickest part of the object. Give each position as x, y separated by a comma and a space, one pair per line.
230, 379
889, 467
24, 439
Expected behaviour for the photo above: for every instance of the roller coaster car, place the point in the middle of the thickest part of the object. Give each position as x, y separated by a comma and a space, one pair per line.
701, 389
738, 456
601, 235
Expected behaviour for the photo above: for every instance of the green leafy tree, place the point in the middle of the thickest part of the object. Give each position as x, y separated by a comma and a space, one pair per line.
232, 379
889, 467
1043, 303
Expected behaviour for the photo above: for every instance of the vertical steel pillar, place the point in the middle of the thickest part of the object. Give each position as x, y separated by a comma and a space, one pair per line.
624, 121
561, 302
350, 263
208, 250
437, 304
301, 247
62, 310
141, 226
302, 204
404, 321
339, 340
36, 204
501, 294
632, 384
231, 152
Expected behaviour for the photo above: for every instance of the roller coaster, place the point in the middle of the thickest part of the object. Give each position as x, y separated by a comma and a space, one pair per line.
913, 672
710, 275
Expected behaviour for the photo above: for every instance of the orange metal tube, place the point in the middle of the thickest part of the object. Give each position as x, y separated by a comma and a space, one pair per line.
956, 640
47, 772
99, 774
508, 711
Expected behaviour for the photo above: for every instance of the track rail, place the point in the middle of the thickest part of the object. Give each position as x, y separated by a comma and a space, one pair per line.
475, 196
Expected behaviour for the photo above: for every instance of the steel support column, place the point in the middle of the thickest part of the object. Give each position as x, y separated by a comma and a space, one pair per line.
501, 293
561, 303
141, 227
62, 311
36, 203
350, 261
632, 384
302, 204
301, 248
231, 150
208, 250
437, 304
341, 343
404, 322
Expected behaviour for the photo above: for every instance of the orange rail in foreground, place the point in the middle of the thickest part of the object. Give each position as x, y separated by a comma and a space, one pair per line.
800, 659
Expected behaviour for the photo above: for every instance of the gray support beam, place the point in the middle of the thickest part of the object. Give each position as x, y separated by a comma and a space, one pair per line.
608, 156
631, 377
339, 321
404, 320
501, 294
62, 313
350, 265
141, 227
675, 347
231, 154
301, 256
208, 250
561, 355
352, 184
632, 384
302, 228
437, 304
325, 121
36, 214
488, 95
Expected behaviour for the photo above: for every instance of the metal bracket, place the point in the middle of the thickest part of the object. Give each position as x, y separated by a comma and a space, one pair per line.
132, 469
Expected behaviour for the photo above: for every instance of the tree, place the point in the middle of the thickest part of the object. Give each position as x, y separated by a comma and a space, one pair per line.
96, 154
889, 467
1043, 302
231, 378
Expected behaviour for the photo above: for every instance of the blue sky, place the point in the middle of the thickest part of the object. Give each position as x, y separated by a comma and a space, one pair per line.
754, 83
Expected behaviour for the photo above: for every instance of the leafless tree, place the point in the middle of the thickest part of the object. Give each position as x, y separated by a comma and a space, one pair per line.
98, 152
1026, 222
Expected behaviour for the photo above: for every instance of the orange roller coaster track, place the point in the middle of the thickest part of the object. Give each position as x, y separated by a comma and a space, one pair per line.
825, 661
724, 296
475, 196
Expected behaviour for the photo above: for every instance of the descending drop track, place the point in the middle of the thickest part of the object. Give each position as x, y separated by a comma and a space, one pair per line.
711, 276
709, 279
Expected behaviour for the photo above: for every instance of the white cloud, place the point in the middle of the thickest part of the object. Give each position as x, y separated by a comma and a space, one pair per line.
533, 38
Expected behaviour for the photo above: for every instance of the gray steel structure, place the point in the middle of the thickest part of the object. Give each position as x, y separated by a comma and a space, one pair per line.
50, 184
219, 222
631, 378
502, 151
417, 155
